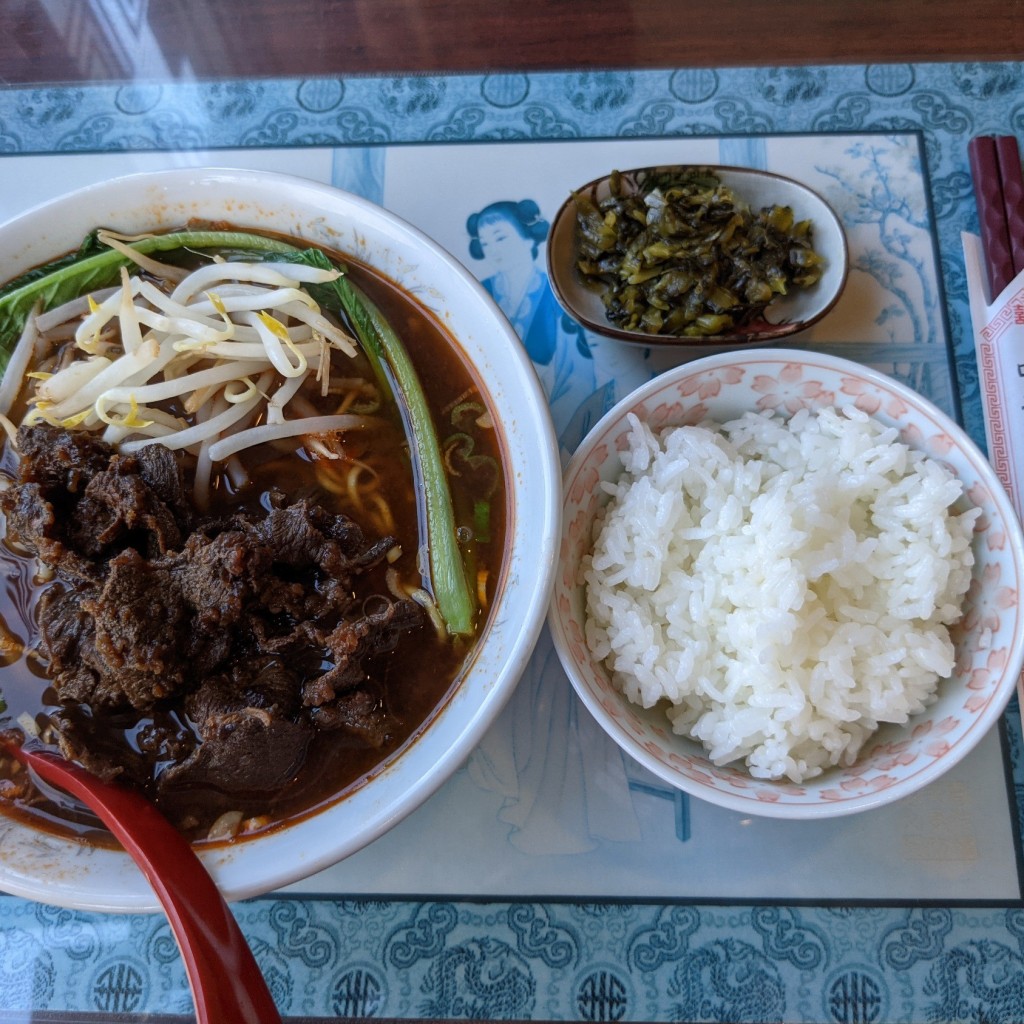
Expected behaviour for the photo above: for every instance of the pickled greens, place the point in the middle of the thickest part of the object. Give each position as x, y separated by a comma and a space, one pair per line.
677, 252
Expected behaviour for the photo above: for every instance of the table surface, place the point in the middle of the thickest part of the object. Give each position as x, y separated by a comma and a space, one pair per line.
918, 72
213, 39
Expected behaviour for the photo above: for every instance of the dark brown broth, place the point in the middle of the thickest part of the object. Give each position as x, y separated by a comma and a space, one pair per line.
417, 676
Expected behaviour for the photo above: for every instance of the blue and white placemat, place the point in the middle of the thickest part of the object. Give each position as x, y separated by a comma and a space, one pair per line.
551, 877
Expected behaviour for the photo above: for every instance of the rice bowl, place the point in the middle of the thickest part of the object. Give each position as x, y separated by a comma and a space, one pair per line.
805, 757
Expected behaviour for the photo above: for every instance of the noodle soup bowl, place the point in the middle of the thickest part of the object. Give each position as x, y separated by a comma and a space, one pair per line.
65, 871
898, 759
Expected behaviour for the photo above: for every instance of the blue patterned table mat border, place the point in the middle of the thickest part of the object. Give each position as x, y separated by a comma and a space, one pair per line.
555, 960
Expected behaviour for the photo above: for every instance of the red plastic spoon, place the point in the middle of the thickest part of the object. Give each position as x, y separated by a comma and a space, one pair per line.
227, 985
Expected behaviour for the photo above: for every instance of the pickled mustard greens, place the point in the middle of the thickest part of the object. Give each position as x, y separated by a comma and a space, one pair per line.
679, 253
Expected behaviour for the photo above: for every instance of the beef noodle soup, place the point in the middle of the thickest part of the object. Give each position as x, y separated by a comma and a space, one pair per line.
243, 636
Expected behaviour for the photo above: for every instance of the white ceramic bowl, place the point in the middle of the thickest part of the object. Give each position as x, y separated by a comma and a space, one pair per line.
63, 872
990, 647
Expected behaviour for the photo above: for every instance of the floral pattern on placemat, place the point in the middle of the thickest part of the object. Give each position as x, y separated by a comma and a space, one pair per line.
546, 960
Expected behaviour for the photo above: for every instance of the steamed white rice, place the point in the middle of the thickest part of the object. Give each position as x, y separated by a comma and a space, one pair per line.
781, 587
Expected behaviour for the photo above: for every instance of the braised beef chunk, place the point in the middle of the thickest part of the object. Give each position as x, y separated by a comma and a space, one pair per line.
91, 741
304, 534
159, 469
61, 460
261, 684
30, 517
77, 503
118, 505
96, 748
261, 626
81, 672
359, 712
253, 735
352, 642
142, 628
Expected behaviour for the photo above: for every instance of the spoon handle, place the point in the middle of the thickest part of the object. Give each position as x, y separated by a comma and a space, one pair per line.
227, 985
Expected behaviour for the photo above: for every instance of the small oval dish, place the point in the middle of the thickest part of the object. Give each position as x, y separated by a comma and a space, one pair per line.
784, 315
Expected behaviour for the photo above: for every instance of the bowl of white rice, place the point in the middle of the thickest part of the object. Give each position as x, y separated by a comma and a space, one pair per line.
788, 584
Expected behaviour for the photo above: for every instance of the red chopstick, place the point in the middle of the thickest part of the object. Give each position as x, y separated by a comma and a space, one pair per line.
988, 192
1012, 178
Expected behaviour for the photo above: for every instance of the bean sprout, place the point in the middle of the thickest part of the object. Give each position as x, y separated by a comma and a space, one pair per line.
17, 365
225, 344
290, 428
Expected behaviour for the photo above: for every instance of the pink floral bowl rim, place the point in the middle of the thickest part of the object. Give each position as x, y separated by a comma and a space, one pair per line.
899, 760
